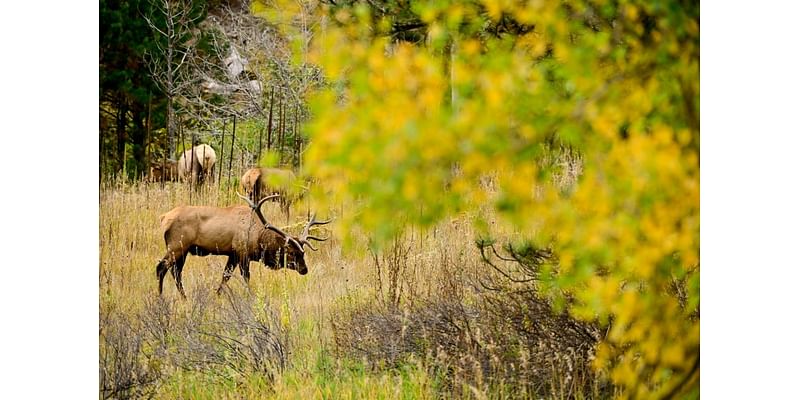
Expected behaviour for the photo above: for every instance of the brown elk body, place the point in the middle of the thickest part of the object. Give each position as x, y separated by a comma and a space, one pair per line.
239, 232
196, 164
260, 182
163, 171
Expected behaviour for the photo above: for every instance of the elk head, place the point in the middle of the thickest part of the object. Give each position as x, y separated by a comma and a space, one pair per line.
291, 253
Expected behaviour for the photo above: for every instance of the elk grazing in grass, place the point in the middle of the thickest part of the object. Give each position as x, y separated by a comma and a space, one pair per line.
260, 182
196, 164
239, 232
163, 171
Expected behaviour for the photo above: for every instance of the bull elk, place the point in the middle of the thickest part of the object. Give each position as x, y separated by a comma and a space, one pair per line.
239, 232
259, 182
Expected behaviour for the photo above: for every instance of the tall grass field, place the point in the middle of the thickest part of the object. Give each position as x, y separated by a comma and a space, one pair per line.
424, 317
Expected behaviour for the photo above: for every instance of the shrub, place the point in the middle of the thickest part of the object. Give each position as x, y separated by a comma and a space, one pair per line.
228, 338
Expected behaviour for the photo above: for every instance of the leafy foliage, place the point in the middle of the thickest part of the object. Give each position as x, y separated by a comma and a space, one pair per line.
126, 88
465, 118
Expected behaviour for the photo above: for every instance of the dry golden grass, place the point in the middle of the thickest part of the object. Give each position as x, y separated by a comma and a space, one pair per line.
360, 324
131, 244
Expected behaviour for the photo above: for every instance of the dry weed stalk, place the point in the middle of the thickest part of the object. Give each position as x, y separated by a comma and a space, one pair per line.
228, 337
487, 331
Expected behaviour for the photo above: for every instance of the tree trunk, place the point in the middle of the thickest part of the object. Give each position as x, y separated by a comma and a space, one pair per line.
171, 145
148, 133
122, 122
233, 140
269, 124
296, 147
448, 59
282, 126
103, 166
195, 174
137, 139
260, 136
261, 133
183, 145
170, 83
221, 153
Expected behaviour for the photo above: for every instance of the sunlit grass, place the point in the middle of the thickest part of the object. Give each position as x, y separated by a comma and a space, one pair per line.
420, 269
131, 243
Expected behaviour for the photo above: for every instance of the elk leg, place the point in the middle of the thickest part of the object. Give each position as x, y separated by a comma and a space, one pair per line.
177, 272
227, 273
161, 272
245, 268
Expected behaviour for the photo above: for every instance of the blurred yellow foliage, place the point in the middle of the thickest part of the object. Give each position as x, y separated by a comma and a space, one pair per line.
447, 124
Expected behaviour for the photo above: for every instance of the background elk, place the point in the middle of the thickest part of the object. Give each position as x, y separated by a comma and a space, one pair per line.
161, 171
197, 164
258, 183
239, 232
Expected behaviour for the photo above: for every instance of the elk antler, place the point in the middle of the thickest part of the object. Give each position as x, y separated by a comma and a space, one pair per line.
311, 222
257, 209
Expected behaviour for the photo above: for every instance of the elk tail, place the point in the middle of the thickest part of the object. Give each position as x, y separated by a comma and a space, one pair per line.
166, 221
